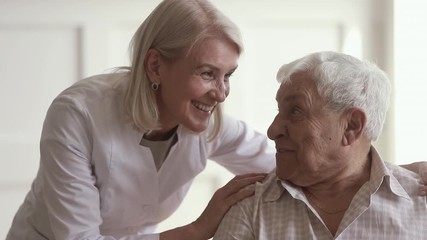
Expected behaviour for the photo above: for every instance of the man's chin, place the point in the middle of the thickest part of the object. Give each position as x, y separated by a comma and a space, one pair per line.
282, 175
290, 177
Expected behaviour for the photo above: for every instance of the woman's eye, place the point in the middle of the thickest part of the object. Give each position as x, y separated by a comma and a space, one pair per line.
227, 77
208, 75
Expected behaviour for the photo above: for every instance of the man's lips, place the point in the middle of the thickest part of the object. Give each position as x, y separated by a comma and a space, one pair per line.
284, 149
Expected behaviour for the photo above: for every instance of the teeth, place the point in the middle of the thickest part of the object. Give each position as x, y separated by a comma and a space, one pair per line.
202, 107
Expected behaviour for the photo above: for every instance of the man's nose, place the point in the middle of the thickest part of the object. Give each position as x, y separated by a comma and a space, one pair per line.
277, 129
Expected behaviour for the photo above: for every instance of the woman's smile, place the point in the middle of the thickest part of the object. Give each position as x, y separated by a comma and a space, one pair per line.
203, 107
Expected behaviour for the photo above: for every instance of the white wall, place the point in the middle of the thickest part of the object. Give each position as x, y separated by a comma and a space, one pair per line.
47, 45
410, 80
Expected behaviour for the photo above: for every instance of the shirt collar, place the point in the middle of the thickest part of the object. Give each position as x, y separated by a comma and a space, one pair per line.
379, 173
275, 190
277, 187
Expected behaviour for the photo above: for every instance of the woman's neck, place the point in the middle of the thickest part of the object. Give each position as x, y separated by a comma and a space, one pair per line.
160, 134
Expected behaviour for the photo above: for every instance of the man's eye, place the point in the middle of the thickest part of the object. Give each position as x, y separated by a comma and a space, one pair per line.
295, 111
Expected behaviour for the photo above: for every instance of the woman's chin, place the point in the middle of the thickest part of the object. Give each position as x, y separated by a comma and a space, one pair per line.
198, 128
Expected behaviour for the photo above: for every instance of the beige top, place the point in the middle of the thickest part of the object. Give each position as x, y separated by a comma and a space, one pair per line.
159, 149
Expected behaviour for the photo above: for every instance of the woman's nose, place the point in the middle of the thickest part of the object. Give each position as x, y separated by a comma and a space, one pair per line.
219, 91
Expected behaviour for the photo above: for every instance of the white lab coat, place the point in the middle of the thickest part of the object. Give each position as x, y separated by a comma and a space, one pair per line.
96, 181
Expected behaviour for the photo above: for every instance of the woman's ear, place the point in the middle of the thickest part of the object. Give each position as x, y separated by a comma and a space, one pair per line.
356, 123
152, 65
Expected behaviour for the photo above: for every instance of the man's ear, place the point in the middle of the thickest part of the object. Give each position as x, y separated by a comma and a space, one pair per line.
152, 65
356, 123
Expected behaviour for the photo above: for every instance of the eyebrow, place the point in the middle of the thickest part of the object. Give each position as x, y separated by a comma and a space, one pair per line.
214, 67
289, 98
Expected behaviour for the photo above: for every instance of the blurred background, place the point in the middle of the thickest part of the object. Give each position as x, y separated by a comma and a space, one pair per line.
47, 45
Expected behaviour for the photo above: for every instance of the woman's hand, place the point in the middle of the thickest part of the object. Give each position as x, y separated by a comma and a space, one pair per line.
205, 226
423, 173
231, 193
421, 169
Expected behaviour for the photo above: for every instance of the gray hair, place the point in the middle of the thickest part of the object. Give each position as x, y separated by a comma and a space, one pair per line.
174, 28
346, 82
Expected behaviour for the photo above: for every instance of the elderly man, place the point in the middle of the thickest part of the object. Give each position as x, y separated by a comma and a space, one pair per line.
330, 182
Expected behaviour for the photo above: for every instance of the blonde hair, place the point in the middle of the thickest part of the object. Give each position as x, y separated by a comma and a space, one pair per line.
174, 28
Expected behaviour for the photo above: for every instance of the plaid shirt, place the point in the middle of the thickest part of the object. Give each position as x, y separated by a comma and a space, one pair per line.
385, 207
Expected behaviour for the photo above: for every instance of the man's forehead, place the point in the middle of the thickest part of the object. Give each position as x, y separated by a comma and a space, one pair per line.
293, 90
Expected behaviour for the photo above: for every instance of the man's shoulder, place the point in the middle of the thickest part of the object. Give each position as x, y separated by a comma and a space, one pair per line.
408, 180
269, 189
402, 173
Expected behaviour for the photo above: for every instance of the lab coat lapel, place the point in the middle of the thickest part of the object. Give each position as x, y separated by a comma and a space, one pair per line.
185, 160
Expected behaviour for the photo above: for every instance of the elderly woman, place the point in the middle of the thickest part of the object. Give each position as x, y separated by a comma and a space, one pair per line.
330, 182
119, 151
